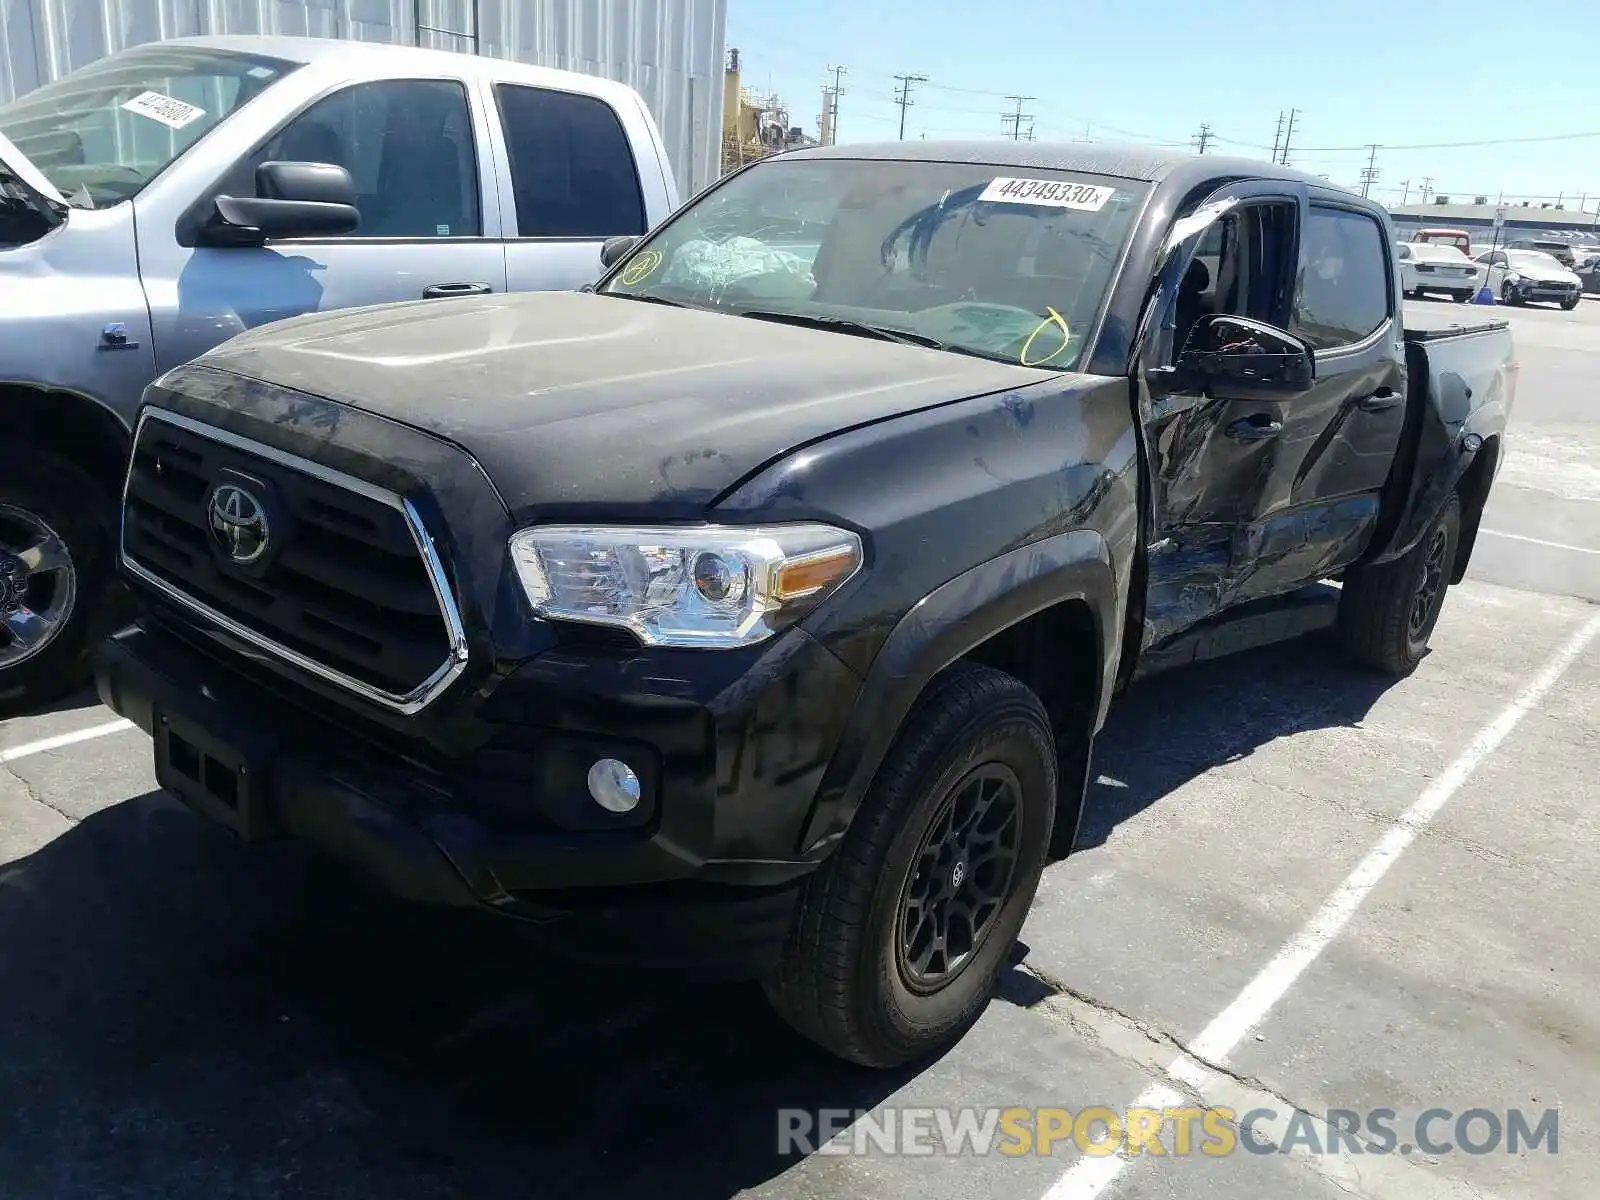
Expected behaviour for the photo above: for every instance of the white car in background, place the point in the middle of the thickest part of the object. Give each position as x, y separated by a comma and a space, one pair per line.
1433, 267
1523, 276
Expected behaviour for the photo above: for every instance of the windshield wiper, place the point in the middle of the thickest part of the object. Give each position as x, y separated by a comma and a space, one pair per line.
646, 299
883, 333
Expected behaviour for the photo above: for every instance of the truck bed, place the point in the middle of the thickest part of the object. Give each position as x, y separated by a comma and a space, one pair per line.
1435, 322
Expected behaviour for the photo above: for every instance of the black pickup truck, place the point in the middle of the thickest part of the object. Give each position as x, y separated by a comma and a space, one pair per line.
756, 609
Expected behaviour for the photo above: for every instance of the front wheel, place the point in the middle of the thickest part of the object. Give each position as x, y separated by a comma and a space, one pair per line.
1387, 612
899, 936
56, 579
1569, 305
1508, 294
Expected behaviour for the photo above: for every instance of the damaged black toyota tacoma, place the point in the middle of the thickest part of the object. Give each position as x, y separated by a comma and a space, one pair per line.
755, 610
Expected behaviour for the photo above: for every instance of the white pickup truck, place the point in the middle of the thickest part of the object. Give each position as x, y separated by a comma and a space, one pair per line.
161, 200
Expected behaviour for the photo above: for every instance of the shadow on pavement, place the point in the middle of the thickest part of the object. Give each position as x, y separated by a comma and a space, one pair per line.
1169, 728
185, 1017
188, 1018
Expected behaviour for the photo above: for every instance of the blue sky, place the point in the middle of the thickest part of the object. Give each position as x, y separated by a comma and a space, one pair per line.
1406, 74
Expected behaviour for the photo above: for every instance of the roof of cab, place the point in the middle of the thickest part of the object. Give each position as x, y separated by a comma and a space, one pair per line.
1147, 164
314, 51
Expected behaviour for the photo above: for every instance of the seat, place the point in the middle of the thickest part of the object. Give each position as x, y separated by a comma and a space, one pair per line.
422, 174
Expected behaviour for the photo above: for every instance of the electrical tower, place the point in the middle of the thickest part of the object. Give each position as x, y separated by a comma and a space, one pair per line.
1288, 133
833, 104
1013, 120
903, 99
1369, 172
1203, 138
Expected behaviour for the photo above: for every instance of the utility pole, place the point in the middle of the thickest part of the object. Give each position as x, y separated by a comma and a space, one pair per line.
1013, 120
1277, 136
1203, 138
1288, 133
1370, 171
1405, 191
1030, 134
1426, 190
904, 98
833, 116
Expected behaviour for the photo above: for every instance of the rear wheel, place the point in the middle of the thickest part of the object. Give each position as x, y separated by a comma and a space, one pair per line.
57, 587
1387, 612
899, 936
1461, 297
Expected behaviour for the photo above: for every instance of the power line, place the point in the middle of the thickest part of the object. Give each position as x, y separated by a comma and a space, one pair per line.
1013, 121
1288, 134
833, 104
1369, 173
904, 99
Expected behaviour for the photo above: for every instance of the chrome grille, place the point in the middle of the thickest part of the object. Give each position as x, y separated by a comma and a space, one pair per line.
352, 589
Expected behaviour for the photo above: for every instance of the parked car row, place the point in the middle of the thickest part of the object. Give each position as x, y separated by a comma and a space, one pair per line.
1447, 262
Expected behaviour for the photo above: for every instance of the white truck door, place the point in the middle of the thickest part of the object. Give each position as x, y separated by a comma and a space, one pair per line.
417, 152
575, 180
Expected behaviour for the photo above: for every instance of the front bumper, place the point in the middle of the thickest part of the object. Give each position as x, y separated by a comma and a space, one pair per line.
1548, 293
706, 876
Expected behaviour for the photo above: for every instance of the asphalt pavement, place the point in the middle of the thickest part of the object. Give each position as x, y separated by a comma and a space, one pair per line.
1301, 893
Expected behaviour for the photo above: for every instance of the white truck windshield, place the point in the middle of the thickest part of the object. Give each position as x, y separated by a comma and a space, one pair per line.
103, 132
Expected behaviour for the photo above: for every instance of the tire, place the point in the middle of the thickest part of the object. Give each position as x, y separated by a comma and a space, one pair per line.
1388, 612
846, 978
1569, 305
49, 503
1507, 296
1461, 297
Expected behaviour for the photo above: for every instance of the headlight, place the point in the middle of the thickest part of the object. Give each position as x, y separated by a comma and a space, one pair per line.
709, 585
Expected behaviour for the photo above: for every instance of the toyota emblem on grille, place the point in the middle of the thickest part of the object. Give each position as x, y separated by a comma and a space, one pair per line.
238, 522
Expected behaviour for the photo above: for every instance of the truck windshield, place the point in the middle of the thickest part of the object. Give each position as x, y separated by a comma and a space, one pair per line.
1004, 262
103, 132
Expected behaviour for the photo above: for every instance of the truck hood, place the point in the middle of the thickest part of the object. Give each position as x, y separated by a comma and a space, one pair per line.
18, 170
576, 401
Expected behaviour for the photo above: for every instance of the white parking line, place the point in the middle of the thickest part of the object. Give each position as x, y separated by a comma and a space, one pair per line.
63, 739
1522, 537
1090, 1176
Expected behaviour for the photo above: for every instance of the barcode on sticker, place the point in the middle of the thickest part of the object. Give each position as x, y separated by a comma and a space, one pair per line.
1054, 193
169, 110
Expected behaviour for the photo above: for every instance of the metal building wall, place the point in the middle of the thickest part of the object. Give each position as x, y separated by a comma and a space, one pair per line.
670, 50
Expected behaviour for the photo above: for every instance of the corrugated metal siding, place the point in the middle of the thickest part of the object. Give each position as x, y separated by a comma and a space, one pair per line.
669, 50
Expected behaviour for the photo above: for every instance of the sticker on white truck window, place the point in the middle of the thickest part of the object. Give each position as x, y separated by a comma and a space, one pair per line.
169, 110
1054, 193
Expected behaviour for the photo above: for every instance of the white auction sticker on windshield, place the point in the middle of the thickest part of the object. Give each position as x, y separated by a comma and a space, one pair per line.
169, 110
1054, 193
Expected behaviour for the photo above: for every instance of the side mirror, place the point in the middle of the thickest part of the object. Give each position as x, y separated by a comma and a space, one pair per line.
615, 247
1229, 357
293, 199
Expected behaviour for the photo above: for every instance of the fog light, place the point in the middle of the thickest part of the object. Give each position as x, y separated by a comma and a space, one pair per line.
614, 786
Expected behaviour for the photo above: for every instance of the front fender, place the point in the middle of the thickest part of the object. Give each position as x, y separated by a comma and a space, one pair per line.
944, 626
